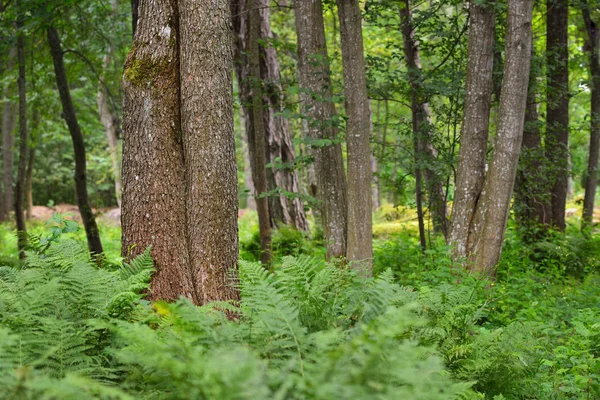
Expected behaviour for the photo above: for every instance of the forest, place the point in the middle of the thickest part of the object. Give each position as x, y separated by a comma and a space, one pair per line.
299, 199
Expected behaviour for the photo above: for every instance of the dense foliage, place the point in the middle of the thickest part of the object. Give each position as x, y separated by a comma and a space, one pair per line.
307, 330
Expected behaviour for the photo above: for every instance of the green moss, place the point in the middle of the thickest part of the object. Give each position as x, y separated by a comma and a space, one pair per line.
139, 71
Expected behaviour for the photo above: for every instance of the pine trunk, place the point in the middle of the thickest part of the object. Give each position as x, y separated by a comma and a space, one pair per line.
8, 126
470, 176
319, 111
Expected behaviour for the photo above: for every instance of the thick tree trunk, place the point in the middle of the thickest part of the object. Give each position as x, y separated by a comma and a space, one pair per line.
470, 176
358, 136
503, 166
154, 201
29, 183
557, 120
87, 215
591, 179
209, 146
260, 170
22, 168
422, 125
313, 77
279, 144
8, 126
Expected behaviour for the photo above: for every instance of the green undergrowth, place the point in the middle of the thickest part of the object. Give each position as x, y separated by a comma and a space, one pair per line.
421, 329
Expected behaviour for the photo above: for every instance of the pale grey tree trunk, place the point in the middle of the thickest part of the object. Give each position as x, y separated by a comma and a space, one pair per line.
503, 166
23, 143
319, 111
470, 176
358, 136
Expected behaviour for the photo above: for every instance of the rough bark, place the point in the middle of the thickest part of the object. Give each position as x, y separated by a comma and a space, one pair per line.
87, 215
358, 136
154, 201
135, 5
591, 179
557, 120
259, 175
421, 113
8, 126
22, 166
316, 105
279, 144
209, 146
470, 176
503, 166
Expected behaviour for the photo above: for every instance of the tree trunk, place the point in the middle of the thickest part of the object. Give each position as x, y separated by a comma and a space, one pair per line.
29, 183
279, 144
209, 146
591, 179
503, 166
314, 79
530, 187
260, 170
87, 215
248, 182
154, 202
557, 120
134, 15
22, 168
358, 136
422, 125
8, 126
470, 176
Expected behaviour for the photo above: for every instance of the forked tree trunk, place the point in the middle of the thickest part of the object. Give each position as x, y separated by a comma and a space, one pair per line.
8, 126
503, 166
319, 111
87, 215
358, 136
279, 144
154, 200
591, 179
259, 175
22, 168
557, 120
426, 154
470, 176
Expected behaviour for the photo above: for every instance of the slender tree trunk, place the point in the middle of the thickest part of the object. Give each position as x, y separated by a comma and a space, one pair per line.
8, 126
248, 182
209, 146
279, 145
134, 15
422, 125
530, 187
29, 183
503, 166
260, 169
470, 176
358, 136
87, 215
591, 179
154, 201
22, 168
313, 77
557, 120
